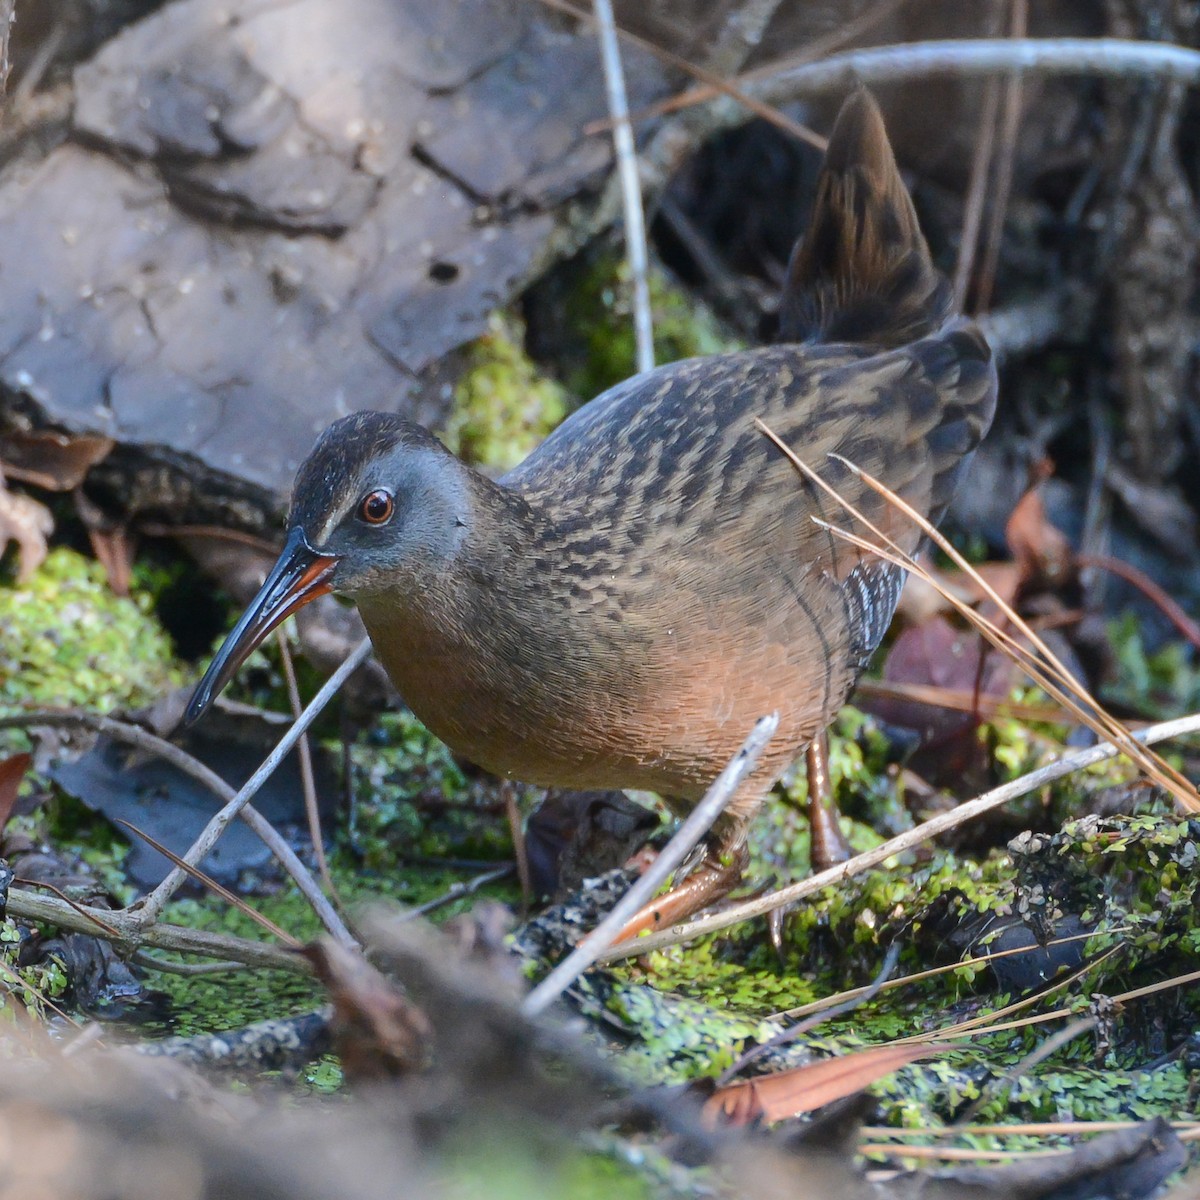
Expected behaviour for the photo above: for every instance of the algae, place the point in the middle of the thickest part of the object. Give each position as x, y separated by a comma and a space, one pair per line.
503, 405
597, 319
70, 642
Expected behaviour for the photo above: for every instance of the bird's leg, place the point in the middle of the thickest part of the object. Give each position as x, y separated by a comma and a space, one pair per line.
717, 871
827, 843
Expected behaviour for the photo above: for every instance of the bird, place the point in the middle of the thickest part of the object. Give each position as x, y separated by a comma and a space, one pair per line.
619, 609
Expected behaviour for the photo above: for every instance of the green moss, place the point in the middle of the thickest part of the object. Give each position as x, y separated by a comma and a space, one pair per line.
68, 641
413, 800
503, 407
598, 317
26, 989
1162, 684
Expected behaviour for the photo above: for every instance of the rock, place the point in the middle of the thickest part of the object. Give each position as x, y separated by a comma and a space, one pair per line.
269, 216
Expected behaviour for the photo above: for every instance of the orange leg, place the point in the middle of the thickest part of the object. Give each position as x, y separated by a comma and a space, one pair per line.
717, 874
827, 843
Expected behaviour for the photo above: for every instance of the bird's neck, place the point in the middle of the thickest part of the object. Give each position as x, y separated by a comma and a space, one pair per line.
465, 638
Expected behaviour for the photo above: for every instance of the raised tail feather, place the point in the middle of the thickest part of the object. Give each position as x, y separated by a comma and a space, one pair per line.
863, 273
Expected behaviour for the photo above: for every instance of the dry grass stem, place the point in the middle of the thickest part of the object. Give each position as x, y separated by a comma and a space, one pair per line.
308, 779
631, 184
1049, 672
715, 84
218, 889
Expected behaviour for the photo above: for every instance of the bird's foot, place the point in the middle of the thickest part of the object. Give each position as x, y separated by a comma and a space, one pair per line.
714, 877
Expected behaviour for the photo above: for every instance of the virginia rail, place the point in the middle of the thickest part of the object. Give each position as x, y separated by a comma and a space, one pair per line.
619, 609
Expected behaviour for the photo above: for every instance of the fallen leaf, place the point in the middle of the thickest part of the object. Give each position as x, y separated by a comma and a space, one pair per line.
802, 1089
12, 771
1042, 552
57, 462
24, 521
378, 1032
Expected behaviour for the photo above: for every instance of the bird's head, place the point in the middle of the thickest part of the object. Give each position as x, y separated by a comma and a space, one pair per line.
378, 503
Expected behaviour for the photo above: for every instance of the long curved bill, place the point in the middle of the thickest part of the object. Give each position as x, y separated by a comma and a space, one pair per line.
299, 575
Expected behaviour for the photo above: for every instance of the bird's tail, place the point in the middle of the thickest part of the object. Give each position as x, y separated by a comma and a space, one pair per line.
863, 273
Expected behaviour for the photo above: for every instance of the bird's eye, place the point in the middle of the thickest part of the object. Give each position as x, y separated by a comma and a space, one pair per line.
377, 507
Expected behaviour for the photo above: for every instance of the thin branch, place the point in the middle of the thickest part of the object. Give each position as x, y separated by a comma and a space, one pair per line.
1109, 57
981, 167
135, 735
810, 52
131, 935
152, 906
458, 891
942, 823
307, 776
716, 84
595, 947
1031, 325
1138, 578
1005, 168
631, 185
168, 966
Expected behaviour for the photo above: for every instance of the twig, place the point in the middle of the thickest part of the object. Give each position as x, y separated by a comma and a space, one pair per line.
307, 777
1055, 1042
1109, 57
810, 52
458, 891
932, 828
716, 84
135, 735
153, 904
847, 1005
151, 962
129, 934
631, 186
1137, 578
595, 948
1005, 165
1031, 325
981, 169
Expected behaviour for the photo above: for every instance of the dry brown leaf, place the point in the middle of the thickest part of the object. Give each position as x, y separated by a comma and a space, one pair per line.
378, 1032
12, 771
57, 462
24, 521
802, 1089
1042, 551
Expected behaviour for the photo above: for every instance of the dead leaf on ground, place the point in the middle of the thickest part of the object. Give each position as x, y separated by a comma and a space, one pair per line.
378, 1032
803, 1089
12, 772
55, 461
24, 521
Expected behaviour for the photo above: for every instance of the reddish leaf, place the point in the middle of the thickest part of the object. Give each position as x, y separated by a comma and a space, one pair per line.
12, 771
802, 1089
1042, 552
